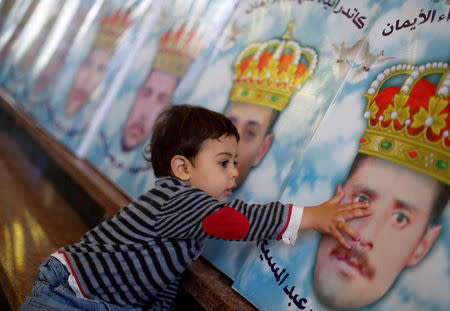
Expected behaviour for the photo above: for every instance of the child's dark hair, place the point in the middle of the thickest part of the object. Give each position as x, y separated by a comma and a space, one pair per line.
181, 129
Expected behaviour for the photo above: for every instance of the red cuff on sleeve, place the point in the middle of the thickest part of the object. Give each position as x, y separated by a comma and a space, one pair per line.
287, 223
227, 223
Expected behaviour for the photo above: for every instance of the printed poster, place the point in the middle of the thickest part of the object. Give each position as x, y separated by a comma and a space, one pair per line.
384, 140
13, 25
39, 67
24, 50
64, 51
5, 9
272, 74
170, 59
92, 62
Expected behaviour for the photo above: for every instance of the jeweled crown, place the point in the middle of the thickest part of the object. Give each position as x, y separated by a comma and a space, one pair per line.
179, 46
268, 73
408, 122
111, 29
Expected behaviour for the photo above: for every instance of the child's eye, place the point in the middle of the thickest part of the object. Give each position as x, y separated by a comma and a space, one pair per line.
224, 163
235, 163
361, 197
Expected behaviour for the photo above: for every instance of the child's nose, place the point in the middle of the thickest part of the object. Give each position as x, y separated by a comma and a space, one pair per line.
234, 172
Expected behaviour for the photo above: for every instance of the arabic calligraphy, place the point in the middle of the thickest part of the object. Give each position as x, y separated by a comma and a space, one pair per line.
431, 16
264, 4
357, 18
354, 14
281, 276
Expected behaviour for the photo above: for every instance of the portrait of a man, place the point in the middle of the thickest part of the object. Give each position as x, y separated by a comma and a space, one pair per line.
10, 37
154, 94
178, 48
38, 42
267, 74
92, 70
56, 61
53, 68
254, 124
402, 170
6, 7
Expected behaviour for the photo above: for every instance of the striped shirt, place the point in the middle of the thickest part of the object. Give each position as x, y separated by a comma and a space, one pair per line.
136, 258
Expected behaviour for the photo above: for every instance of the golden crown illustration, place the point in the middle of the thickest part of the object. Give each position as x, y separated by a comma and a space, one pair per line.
408, 123
268, 73
111, 28
179, 46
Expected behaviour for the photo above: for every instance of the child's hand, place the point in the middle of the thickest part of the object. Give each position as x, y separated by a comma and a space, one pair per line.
330, 217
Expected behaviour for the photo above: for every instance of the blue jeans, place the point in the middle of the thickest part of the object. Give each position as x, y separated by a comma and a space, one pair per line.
52, 292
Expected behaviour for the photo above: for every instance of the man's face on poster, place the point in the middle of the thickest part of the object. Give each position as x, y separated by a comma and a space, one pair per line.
52, 68
9, 45
252, 122
88, 77
33, 50
392, 238
153, 97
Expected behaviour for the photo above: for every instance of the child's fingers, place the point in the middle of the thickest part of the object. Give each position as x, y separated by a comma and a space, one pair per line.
360, 212
337, 198
356, 213
355, 205
338, 236
349, 230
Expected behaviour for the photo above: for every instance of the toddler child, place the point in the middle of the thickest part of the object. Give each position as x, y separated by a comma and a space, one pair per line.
134, 260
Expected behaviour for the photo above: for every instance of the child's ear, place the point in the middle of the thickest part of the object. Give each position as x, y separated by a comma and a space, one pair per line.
180, 167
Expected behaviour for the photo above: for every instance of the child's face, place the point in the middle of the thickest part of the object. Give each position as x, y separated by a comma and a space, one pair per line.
214, 168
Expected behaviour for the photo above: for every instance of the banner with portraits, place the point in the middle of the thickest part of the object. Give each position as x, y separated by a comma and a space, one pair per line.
29, 43
166, 65
327, 96
91, 64
31, 82
5, 8
275, 80
384, 140
17, 17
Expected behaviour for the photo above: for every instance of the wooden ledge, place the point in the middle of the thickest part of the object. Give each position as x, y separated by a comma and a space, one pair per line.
35, 221
210, 287
104, 192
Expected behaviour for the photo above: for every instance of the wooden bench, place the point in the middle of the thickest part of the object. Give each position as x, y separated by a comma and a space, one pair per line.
207, 285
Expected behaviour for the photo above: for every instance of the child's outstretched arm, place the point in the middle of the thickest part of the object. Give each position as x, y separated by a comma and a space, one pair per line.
330, 217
